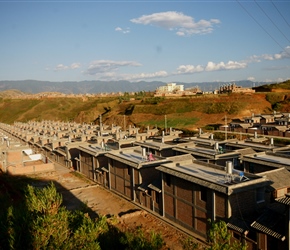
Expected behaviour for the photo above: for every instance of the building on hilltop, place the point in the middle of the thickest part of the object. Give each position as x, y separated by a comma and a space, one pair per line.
169, 89
233, 88
172, 89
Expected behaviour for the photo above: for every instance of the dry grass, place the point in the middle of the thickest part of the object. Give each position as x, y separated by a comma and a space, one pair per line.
181, 113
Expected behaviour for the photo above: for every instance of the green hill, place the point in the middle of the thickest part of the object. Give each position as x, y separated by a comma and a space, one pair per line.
274, 86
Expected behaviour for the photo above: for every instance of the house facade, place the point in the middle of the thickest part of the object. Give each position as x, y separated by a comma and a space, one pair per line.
194, 192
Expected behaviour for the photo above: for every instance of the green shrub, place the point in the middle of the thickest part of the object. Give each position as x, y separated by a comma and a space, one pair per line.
274, 98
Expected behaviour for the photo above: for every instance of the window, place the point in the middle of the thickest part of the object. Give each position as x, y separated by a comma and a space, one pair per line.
128, 170
203, 193
251, 168
260, 195
236, 235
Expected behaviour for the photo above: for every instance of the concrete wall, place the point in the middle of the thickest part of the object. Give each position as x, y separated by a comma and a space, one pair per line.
13, 170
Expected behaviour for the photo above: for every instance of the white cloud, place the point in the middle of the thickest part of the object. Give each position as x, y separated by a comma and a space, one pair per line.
177, 21
186, 69
211, 66
105, 66
141, 76
281, 79
268, 57
114, 76
109, 70
251, 78
75, 66
61, 67
124, 31
285, 53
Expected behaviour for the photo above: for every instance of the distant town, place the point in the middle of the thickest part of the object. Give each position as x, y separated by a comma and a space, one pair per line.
172, 89
168, 90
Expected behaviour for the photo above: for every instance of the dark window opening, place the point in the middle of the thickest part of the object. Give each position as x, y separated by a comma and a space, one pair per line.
260, 195
203, 194
236, 235
251, 168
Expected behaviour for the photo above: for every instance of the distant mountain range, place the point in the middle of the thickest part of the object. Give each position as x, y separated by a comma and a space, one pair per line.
83, 87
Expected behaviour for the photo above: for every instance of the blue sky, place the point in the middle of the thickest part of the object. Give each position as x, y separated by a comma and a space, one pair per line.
169, 41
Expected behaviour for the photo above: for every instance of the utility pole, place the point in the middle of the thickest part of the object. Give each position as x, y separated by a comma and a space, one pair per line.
101, 125
226, 128
165, 125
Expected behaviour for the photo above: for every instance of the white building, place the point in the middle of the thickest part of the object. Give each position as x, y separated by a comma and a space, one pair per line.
170, 88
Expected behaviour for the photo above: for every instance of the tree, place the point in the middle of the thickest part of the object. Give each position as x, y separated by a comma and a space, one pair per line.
219, 237
40, 221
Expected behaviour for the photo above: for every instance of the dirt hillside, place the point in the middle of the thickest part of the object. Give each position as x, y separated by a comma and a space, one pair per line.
184, 113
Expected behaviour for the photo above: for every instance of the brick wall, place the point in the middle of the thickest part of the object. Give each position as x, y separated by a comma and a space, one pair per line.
220, 204
243, 203
121, 178
183, 204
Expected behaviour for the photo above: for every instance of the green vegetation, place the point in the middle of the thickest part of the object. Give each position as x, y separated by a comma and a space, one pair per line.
282, 85
153, 100
63, 109
225, 107
173, 121
34, 218
275, 98
137, 240
219, 238
279, 101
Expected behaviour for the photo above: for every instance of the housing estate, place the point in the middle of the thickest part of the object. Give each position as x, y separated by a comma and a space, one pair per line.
276, 124
184, 181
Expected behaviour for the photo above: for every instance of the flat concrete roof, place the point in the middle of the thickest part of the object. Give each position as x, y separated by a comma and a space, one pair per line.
154, 144
270, 158
133, 157
93, 149
212, 177
252, 145
200, 150
200, 171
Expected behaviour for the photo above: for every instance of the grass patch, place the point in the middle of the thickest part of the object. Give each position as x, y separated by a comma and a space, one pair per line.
80, 176
173, 121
